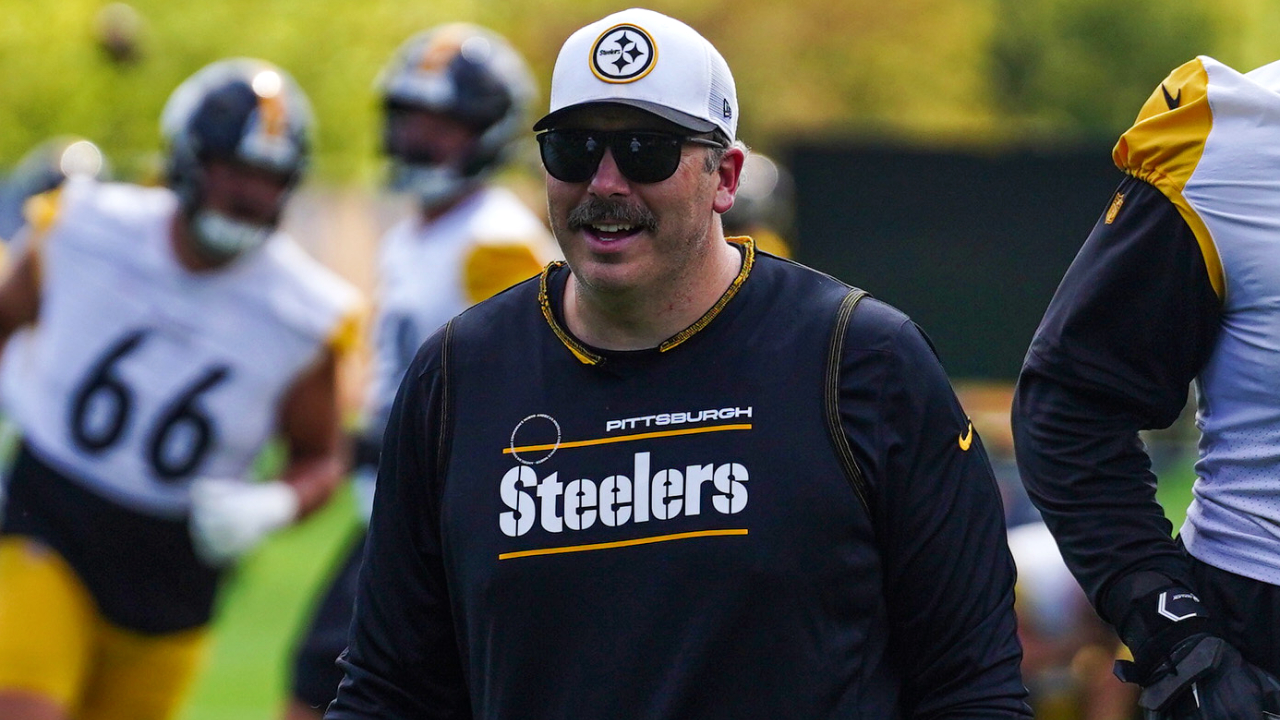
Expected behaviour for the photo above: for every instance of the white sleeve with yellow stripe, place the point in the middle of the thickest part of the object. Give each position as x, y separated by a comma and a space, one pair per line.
325, 304
39, 213
508, 245
430, 272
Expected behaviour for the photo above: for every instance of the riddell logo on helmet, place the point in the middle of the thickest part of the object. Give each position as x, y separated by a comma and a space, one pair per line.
623, 54
618, 499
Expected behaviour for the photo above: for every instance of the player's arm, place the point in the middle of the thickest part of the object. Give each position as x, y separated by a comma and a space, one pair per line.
230, 517
402, 657
494, 266
19, 295
1132, 323
310, 423
947, 571
20, 288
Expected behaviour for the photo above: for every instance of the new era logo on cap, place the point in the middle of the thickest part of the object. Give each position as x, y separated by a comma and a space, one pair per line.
648, 61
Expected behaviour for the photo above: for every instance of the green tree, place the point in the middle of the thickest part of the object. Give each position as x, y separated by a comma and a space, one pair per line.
1083, 67
949, 71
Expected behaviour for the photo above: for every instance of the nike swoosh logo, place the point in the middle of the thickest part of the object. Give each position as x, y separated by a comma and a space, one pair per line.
1173, 101
967, 439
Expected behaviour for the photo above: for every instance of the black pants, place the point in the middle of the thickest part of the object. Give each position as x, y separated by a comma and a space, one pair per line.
315, 674
1248, 609
140, 569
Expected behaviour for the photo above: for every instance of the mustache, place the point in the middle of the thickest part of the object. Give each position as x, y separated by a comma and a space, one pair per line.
596, 210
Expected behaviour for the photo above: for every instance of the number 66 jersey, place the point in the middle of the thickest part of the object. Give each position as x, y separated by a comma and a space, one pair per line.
141, 375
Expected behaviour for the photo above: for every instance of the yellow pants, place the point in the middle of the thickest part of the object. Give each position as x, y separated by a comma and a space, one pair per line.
54, 643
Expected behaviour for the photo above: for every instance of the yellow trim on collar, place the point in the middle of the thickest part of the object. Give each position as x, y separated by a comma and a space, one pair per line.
587, 357
748, 260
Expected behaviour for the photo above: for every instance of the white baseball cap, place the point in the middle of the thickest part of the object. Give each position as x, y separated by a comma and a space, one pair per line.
649, 61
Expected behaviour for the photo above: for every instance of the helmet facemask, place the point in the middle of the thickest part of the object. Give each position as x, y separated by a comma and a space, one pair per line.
221, 236
428, 153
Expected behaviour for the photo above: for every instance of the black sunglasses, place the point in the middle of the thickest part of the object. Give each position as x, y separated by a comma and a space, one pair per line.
572, 156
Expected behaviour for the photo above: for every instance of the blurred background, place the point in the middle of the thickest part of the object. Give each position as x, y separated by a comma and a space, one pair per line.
947, 155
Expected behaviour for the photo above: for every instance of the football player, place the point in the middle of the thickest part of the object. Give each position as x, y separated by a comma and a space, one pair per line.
45, 167
454, 100
172, 332
1177, 282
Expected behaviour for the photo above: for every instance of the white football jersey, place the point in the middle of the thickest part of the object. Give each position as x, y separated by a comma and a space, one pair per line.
141, 375
1209, 139
429, 272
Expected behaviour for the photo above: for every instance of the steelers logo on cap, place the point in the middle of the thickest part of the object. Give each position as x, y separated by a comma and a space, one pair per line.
623, 54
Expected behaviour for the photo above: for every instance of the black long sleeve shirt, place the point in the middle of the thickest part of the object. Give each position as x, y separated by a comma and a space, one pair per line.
672, 534
1131, 325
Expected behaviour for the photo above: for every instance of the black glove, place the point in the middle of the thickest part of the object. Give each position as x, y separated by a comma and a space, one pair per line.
1204, 678
1187, 671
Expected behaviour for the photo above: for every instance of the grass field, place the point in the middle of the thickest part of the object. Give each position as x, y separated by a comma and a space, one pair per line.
260, 612
1177, 475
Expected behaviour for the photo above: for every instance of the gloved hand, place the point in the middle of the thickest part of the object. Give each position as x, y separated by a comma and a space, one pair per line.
230, 517
1187, 671
1204, 678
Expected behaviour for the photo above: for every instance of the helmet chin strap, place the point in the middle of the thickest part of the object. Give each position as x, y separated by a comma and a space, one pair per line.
222, 237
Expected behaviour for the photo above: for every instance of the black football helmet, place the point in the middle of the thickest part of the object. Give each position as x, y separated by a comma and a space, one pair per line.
239, 109
467, 73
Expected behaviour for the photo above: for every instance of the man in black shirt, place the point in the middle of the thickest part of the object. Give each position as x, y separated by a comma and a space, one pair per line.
599, 497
